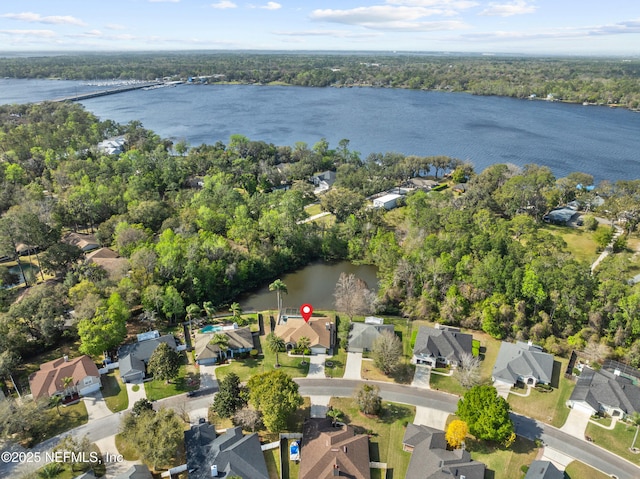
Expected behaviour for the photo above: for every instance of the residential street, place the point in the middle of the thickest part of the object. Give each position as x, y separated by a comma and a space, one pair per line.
579, 449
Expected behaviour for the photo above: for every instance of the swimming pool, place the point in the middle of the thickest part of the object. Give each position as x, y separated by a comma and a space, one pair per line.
210, 328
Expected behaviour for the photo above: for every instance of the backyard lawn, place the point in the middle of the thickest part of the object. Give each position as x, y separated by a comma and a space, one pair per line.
548, 407
114, 392
503, 463
387, 431
579, 242
272, 458
617, 440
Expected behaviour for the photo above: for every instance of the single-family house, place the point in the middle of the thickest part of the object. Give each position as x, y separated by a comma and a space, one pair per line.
230, 454
49, 380
522, 362
442, 345
85, 242
133, 358
319, 330
388, 201
323, 181
605, 392
111, 261
362, 336
137, 471
240, 341
329, 451
543, 470
430, 458
560, 216
112, 146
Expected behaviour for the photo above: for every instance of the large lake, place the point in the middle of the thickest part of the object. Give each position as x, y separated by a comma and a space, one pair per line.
483, 130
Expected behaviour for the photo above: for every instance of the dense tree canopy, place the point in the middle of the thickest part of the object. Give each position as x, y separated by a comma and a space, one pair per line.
486, 414
276, 396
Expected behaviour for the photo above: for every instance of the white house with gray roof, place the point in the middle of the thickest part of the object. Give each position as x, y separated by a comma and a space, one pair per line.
523, 362
441, 345
133, 358
606, 392
362, 336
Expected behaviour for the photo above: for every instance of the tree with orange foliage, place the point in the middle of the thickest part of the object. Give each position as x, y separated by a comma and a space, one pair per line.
456, 433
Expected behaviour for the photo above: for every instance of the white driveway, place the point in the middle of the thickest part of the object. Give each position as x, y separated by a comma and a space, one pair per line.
108, 445
502, 388
353, 366
96, 406
431, 417
576, 423
316, 366
319, 406
135, 395
207, 376
421, 377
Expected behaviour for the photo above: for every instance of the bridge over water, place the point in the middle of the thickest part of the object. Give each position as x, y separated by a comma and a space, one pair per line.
110, 91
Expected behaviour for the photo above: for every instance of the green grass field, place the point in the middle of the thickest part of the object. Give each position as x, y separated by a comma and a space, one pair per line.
114, 392
503, 463
387, 431
187, 380
617, 440
579, 242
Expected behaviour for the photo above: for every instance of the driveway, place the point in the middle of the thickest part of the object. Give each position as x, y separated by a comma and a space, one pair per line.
319, 405
558, 458
576, 423
108, 445
96, 406
353, 366
316, 366
135, 395
431, 417
207, 376
421, 377
502, 388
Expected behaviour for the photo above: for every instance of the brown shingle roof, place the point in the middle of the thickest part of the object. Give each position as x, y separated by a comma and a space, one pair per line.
48, 380
83, 241
326, 448
315, 330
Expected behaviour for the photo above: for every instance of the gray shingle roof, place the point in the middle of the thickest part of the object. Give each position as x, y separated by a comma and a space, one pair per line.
238, 339
522, 360
430, 459
543, 470
133, 357
605, 388
233, 453
137, 471
362, 336
442, 342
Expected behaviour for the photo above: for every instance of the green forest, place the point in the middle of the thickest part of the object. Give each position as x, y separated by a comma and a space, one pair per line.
199, 225
606, 81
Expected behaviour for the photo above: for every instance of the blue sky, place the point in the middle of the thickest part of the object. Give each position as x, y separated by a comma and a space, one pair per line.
586, 27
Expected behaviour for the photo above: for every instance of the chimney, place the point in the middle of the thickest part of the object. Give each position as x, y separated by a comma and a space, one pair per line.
328, 326
66, 358
336, 470
344, 449
214, 471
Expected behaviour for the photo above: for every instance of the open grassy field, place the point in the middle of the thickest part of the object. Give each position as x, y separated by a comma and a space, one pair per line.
114, 392
503, 463
579, 470
618, 440
579, 241
387, 431
313, 209
548, 407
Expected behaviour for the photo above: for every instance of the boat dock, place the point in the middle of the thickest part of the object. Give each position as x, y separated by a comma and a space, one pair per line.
110, 91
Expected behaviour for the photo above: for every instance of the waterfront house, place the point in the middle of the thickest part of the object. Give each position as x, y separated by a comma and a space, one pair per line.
388, 201
362, 336
319, 330
240, 341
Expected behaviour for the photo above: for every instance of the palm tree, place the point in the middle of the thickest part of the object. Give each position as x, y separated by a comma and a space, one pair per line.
66, 382
193, 310
303, 343
56, 400
335, 414
209, 308
279, 287
236, 311
222, 341
275, 344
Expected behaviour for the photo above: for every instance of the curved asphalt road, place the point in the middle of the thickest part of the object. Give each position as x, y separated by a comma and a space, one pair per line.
579, 449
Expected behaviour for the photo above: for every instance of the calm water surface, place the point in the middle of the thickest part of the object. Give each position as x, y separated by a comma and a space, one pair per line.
483, 130
313, 284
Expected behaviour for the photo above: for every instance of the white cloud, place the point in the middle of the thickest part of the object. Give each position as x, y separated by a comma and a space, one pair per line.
389, 17
272, 6
37, 18
327, 33
164, 1
115, 26
30, 33
519, 7
224, 4
448, 4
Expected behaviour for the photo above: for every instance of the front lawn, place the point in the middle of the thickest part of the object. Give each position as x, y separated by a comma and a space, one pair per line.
387, 431
245, 368
548, 407
114, 392
618, 440
338, 362
503, 463
188, 380
403, 375
579, 470
70, 417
